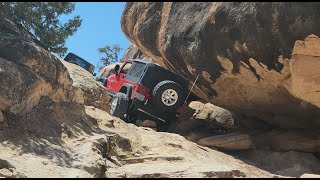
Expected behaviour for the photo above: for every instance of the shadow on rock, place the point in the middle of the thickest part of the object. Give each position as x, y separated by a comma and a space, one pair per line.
46, 129
291, 163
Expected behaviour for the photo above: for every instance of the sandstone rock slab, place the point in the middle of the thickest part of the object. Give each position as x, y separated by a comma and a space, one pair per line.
231, 141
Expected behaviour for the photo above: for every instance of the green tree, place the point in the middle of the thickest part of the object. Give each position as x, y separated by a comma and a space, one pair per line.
42, 19
110, 55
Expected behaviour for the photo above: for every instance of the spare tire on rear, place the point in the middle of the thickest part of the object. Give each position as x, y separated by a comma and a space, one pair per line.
168, 95
119, 105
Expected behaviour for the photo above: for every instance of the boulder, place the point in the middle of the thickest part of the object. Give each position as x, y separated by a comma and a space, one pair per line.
213, 114
28, 72
133, 52
243, 51
304, 82
53, 140
199, 120
85, 89
193, 127
231, 141
42, 99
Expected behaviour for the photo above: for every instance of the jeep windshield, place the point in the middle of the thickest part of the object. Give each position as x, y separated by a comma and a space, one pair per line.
136, 71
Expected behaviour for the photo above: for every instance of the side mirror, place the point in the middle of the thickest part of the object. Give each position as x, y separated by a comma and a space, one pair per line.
116, 69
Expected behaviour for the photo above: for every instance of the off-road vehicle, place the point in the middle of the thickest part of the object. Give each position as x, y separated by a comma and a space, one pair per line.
75, 59
142, 90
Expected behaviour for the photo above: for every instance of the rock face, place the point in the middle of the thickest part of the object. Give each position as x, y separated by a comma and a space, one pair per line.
193, 126
304, 82
200, 122
43, 120
88, 142
232, 141
290, 163
142, 152
283, 140
83, 141
86, 90
242, 51
28, 73
134, 53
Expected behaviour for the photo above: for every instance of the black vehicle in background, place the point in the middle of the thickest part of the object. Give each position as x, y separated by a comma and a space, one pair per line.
72, 58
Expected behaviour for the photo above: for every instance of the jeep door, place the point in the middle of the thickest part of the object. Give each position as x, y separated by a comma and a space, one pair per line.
116, 81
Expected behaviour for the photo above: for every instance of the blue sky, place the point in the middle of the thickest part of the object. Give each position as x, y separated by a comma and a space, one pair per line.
100, 26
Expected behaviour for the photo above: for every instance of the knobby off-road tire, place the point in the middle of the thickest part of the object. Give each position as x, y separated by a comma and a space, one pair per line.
119, 105
168, 95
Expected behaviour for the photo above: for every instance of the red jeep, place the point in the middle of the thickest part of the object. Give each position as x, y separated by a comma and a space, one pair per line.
143, 90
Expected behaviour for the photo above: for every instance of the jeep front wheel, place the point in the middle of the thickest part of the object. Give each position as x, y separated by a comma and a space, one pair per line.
168, 95
119, 105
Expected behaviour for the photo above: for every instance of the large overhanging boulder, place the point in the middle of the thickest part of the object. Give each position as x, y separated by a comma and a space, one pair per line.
133, 52
242, 51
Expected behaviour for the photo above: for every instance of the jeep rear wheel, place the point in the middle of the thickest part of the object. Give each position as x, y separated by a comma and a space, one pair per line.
168, 95
119, 105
